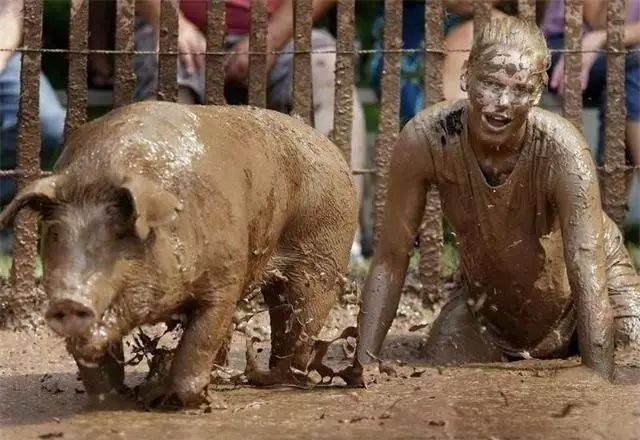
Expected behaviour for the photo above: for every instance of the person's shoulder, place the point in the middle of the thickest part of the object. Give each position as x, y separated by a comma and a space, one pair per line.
559, 133
441, 119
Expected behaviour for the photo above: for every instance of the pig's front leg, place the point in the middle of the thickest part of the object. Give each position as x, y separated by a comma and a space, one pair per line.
191, 367
103, 375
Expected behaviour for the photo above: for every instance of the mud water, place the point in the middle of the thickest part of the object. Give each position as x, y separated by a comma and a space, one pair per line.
41, 397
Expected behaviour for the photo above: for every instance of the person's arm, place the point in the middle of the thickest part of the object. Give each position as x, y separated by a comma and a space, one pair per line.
406, 195
577, 197
11, 25
280, 27
592, 42
279, 32
190, 40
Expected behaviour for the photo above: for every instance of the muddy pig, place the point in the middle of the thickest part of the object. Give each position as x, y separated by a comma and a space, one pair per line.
158, 208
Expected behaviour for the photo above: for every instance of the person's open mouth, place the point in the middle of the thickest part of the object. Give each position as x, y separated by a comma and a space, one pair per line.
496, 121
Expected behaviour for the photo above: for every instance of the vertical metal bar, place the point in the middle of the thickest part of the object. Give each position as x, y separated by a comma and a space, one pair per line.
258, 56
527, 10
389, 105
615, 183
167, 61
431, 226
481, 15
572, 103
216, 29
124, 79
23, 300
77, 88
345, 60
302, 90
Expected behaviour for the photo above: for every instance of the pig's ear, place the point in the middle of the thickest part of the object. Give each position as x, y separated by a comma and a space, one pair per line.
36, 196
152, 205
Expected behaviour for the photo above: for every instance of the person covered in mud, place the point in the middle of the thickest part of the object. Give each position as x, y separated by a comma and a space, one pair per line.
540, 260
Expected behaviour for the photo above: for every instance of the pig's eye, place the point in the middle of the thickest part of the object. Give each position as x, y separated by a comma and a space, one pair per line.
53, 235
122, 234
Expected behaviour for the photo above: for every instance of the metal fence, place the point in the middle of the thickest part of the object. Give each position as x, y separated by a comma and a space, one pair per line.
613, 174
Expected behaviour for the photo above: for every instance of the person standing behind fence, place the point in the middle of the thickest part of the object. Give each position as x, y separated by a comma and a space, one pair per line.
192, 24
52, 113
594, 64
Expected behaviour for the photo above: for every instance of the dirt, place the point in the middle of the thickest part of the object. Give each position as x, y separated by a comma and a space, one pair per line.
41, 397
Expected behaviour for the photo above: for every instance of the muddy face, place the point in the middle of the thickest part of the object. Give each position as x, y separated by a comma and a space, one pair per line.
87, 252
503, 84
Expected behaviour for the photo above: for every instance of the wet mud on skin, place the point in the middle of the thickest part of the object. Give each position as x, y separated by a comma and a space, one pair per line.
40, 397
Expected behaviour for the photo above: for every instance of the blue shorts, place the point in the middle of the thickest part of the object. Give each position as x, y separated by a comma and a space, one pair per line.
595, 93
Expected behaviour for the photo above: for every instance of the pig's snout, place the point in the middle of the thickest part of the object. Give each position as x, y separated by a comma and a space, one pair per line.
69, 318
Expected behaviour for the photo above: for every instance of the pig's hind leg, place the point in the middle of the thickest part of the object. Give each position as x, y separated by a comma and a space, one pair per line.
300, 303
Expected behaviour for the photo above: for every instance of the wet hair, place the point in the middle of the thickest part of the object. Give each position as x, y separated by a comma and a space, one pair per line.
512, 31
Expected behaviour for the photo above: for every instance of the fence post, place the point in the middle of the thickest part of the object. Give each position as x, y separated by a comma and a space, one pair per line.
389, 106
302, 89
615, 175
124, 79
257, 59
167, 61
344, 78
22, 302
77, 87
216, 30
431, 226
572, 102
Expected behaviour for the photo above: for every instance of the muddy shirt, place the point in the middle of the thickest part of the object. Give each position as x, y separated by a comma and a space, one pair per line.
509, 235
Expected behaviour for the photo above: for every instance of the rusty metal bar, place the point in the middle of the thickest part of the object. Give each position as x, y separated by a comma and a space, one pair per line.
258, 58
167, 62
481, 15
615, 182
302, 90
572, 102
344, 78
431, 226
527, 10
124, 79
216, 29
23, 299
389, 106
77, 89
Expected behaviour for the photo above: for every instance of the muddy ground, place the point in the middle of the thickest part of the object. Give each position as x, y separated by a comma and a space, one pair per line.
41, 397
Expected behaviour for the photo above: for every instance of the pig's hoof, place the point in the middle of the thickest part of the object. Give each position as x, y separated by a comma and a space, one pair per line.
162, 397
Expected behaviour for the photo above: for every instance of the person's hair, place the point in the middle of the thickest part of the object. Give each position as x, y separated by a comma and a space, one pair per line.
512, 31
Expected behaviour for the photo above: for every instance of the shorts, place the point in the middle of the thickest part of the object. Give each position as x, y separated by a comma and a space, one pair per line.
279, 79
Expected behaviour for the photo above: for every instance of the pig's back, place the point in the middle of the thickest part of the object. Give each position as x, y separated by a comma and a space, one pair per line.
211, 148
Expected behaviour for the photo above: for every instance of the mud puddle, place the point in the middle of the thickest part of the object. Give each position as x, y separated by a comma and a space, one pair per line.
41, 398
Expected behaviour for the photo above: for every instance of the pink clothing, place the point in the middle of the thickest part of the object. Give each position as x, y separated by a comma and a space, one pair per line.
238, 14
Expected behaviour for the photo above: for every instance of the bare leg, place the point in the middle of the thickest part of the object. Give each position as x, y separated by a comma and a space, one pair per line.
455, 338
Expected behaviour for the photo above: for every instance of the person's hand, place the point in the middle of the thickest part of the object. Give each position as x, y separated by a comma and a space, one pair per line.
191, 42
591, 42
237, 65
9, 37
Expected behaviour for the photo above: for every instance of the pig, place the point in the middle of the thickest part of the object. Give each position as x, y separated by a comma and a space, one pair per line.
158, 209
